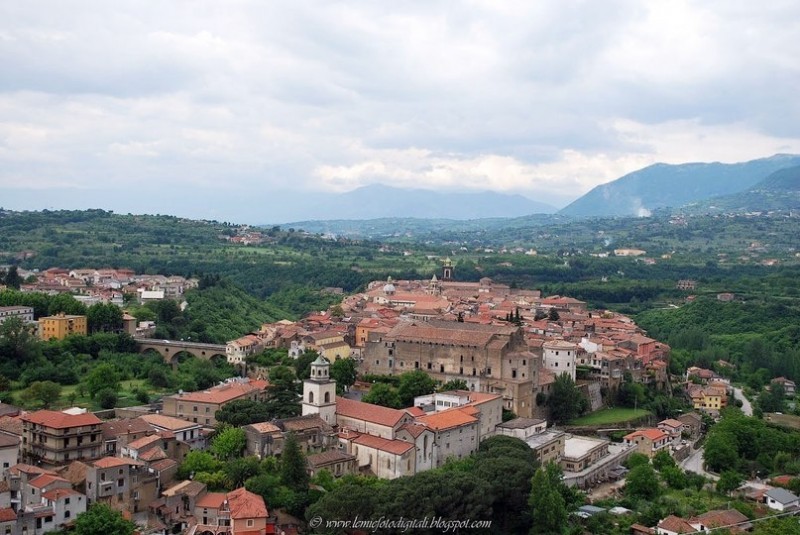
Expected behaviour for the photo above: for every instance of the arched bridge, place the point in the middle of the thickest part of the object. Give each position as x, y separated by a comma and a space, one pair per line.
169, 349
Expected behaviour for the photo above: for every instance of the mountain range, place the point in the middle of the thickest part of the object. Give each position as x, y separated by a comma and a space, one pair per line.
380, 201
664, 185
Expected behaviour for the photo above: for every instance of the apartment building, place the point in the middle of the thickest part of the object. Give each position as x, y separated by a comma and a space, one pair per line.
61, 326
52, 438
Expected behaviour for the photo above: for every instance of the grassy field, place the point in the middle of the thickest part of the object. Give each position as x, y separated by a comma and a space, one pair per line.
785, 420
610, 417
70, 396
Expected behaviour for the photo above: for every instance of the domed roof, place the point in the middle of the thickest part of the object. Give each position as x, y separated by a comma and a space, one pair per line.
389, 288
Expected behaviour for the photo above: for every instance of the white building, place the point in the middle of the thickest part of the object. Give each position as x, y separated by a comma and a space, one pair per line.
559, 357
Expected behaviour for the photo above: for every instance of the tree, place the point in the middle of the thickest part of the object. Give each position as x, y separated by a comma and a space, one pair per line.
384, 395
242, 412
548, 510
18, 345
641, 483
107, 398
721, 452
566, 401
344, 371
101, 519
293, 465
103, 317
46, 392
773, 399
662, 460
282, 400
729, 480
12, 278
553, 315
455, 384
197, 461
228, 443
237, 471
101, 377
413, 384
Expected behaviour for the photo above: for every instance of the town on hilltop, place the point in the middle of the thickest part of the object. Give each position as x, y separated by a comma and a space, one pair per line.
429, 370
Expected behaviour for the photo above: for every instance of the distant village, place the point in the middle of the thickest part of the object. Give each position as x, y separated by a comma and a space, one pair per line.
507, 345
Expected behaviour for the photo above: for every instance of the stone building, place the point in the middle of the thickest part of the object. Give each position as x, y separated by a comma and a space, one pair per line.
489, 358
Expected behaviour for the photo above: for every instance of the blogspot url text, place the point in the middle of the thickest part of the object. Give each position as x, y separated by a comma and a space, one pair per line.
403, 524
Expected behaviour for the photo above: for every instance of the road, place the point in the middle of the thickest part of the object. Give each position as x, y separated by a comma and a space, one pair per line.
747, 408
694, 463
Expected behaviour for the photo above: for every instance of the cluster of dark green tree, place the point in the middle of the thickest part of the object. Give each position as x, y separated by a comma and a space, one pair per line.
282, 482
664, 404
499, 483
35, 370
750, 446
100, 317
399, 391
760, 338
655, 489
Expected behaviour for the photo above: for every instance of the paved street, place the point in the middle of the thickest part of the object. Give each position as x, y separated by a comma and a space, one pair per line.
747, 408
694, 463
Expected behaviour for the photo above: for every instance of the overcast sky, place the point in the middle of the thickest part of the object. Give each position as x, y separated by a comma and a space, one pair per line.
212, 109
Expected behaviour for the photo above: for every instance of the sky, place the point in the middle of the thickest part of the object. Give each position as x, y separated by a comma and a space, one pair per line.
238, 110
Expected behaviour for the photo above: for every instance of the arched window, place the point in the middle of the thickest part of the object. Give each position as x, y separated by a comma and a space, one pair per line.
310, 397
327, 397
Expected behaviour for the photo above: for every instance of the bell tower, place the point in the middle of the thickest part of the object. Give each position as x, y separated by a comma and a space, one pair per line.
319, 392
447, 270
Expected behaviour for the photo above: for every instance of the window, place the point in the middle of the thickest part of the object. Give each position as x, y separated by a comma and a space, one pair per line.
67, 513
250, 522
120, 482
311, 397
327, 397
430, 365
194, 409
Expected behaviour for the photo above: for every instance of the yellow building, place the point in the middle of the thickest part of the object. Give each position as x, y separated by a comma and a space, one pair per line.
61, 326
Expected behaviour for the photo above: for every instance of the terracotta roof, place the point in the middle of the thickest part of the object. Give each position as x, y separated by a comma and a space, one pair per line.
75, 472
653, 434
414, 430
415, 411
223, 393
22, 468
719, 518
57, 494
303, 423
396, 447
153, 454
111, 462
265, 427
212, 500
168, 422
115, 428
245, 504
7, 514
190, 488
328, 457
676, 524
368, 412
9, 441
11, 425
164, 464
671, 422
46, 479
61, 420
448, 419
449, 333
143, 442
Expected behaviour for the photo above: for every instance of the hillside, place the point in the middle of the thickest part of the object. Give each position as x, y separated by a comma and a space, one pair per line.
664, 185
779, 191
